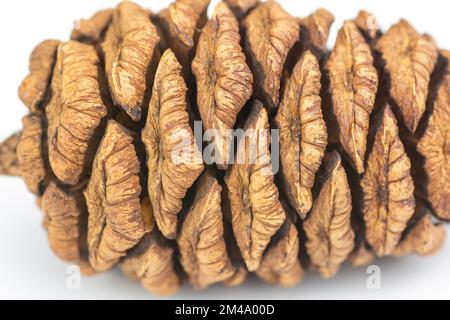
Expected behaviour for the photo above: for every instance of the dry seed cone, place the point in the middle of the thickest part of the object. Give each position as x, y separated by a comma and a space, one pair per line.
359, 166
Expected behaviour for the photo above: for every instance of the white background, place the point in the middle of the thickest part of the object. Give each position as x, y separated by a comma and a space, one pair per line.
28, 270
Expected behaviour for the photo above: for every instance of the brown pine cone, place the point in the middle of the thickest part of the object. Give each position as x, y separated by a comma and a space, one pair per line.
308, 157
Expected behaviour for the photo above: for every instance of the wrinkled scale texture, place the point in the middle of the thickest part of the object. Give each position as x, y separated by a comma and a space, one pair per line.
108, 145
91, 30
151, 262
256, 211
173, 159
270, 33
9, 165
30, 155
281, 265
387, 186
65, 219
224, 81
426, 238
367, 23
303, 134
129, 48
33, 89
181, 22
330, 237
435, 148
353, 82
74, 111
410, 59
315, 30
203, 250
112, 195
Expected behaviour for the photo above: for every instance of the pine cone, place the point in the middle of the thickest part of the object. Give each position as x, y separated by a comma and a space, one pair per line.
357, 164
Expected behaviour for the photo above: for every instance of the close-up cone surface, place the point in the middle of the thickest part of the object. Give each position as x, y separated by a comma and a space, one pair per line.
185, 148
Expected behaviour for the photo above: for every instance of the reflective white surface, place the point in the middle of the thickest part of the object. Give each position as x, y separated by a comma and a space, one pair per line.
28, 270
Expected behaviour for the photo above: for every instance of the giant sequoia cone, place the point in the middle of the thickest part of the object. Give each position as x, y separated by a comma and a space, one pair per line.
109, 147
